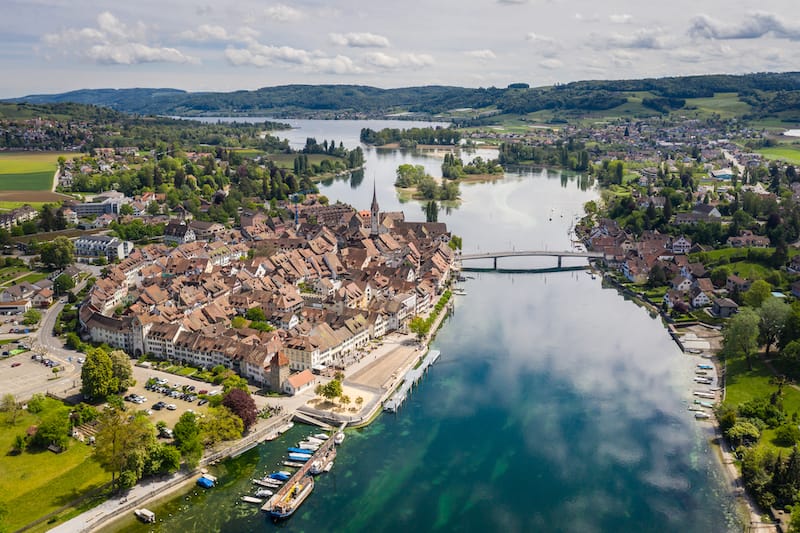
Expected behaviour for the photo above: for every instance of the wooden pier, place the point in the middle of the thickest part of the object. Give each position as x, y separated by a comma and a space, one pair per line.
411, 378
301, 472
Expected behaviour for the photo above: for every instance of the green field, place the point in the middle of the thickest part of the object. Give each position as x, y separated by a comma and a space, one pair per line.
726, 105
28, 171
790, 154
37, 483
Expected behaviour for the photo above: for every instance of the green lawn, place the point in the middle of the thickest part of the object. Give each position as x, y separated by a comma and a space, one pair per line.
35, 484
790, 154
743, 385
25, 171
287, 160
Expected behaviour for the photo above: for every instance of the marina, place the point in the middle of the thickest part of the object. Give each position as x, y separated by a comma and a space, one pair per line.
299, 485
411, 379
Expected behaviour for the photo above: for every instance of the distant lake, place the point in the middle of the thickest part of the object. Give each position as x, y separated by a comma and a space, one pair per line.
557, 405
792, 133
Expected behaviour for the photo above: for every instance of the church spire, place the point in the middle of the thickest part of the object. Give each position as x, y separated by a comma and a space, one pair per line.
374, 207
374, 212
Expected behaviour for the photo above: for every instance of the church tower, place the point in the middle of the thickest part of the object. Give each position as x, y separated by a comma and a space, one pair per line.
374, 212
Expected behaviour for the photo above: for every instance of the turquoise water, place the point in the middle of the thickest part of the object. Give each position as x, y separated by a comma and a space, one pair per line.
563, 412
556, 404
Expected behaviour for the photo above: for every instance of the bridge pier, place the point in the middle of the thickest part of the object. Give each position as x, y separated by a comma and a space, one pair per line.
495, 263
559, 261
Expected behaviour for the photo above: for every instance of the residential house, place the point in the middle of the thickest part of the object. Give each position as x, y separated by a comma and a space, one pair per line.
724, 307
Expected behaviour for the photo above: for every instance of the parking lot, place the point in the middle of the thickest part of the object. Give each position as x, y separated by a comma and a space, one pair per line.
19, 374
152, 397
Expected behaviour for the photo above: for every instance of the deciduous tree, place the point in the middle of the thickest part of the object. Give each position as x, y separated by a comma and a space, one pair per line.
741, 335
774, 314
242, 405
97, 375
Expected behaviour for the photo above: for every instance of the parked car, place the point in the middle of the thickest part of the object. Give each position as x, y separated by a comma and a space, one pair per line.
15, 364
202, 401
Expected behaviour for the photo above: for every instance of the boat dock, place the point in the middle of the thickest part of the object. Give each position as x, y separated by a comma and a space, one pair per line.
304, 470
411, 378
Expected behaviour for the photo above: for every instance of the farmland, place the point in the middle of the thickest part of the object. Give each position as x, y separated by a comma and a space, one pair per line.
26, 171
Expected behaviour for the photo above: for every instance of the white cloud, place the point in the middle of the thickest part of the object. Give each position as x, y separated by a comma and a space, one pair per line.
512, 2
551, 64
114, 42
580, 17
206, 32
359, 40
621, 18
261, 55
536, 38
389, 62
756, 25
283, 13
485, 54
134, 53
644, 38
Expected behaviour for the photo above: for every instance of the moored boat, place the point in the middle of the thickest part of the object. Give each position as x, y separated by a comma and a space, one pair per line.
250, 499
321, 436
286, 506
703, 394
145, 515
264, 493
702, 416
703, 366
300, 450
299, 457
339, 438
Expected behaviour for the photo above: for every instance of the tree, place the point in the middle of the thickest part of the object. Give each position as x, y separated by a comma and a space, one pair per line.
242, 405
57, 253
332, 389
121, 445
774, 313
256, 314
758, 292
97, 375
11, 408
53, 429
220, 423
63, 283
121, 369
743, 432
31, 317
740, 335
359, 401
419, 326
345, 400
187, 439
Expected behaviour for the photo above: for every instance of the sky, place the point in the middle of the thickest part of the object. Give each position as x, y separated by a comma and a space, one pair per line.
51, 46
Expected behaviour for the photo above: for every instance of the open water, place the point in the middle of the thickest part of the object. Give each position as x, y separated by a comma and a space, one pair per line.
556, 404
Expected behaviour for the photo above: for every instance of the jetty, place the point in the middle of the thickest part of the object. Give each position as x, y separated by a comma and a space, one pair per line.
411, 378
305, 470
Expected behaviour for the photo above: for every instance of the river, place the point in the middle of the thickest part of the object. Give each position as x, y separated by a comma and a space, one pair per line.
557, 405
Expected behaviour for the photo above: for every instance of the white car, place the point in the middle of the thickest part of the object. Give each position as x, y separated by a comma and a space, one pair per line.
171, 406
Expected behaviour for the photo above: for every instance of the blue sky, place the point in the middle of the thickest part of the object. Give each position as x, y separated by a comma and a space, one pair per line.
55, 45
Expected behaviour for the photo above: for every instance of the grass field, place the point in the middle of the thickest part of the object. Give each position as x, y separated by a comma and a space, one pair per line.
28, 171
790, 154
743, 385
726, 105
35, 484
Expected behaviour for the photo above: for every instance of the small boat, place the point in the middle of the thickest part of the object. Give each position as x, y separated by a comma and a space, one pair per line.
206, 481
339, 438
264, 493
701, 372
316, 467
300, 450
145, 515
702, 366
702, 394
696, 408
287, 505
328, 466
250, 499
300, 457
305, 445
292, 464
315, 440
280, 476
267, 483
707, 404
321, 436
702, 416
594, 276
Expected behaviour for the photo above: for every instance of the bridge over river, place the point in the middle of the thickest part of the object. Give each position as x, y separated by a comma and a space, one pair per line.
527, 253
